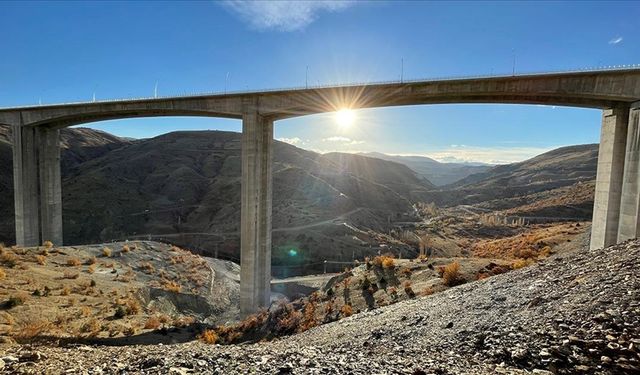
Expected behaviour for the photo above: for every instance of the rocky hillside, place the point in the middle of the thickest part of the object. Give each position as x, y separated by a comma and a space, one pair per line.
577, 312
438, 173
184, 187
557, 168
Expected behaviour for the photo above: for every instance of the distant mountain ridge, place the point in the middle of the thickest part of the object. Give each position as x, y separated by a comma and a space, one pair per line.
440, 174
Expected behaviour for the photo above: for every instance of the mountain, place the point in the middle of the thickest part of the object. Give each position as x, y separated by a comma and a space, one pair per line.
438, 173
184, 187
557, 168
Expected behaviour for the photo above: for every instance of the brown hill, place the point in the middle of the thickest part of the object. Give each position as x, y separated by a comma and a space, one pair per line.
557, 168
185, 187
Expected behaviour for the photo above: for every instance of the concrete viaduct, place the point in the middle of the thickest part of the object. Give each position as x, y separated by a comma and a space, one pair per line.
36, 148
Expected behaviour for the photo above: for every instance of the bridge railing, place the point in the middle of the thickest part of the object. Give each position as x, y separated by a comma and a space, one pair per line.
331, 85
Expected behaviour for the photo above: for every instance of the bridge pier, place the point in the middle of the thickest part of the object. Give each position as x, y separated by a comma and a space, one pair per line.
630, 201
37, 185
255, 226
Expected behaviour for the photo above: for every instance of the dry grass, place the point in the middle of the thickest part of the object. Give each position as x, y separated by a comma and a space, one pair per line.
209, 336
147, 268
451, 274
172, 286
70, 274
73, 262
91, 326
31, 329
152, 323
9, 259
2, 274
106, 252
346, 310
41, 260
521, 263
47, 245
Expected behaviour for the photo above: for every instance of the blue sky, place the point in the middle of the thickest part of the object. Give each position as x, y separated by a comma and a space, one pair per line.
60, 52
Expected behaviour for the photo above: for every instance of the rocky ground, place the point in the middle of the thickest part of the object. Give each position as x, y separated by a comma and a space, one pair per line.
575, 312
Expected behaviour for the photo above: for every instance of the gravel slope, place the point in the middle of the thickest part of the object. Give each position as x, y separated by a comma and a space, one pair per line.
573, 313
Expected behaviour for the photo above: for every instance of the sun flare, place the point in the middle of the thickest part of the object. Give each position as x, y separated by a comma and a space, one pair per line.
345, 117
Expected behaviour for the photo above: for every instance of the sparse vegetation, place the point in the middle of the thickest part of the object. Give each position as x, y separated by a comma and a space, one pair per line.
73, 262
451, 274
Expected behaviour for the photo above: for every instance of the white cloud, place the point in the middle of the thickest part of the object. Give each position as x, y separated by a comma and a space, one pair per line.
616, 40
291, 141
490, 155
282, 15
343, 140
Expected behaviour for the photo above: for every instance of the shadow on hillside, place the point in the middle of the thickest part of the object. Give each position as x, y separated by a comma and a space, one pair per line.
165, 336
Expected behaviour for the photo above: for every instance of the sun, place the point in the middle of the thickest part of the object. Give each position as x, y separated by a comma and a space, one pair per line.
345, 117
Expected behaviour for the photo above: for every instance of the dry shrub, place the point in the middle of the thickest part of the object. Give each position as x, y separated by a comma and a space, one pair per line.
47, 245
31, 329
91, 268
85, 311
132, 306
8, 318
44, 252
106, 252
406, 272
388, 262
383, 261
164, 319
90, 261
92, 326
152, 323
172, 286
175, 248
125, 248
130, 331
183, 321
209, 336
70, 274
521, 263
9, 259
408, 290
451, 274
346, 310
427, 291
482, 275
66, 290
147, 267
41, 260
2, 274
73, 262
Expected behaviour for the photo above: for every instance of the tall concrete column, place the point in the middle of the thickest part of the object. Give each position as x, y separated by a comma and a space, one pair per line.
255, 227
25, 186
629, 226
50, 186
611, 158
37, 185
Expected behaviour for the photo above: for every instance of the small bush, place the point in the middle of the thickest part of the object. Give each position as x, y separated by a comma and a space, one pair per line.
521, 263
125, 248
66, 290
47, 245
70, 274
9, 259
209, 336
91, 261
408, 290
172, 286
120, 312
34, 328
2, 274
73, 262
346, 310
91, 268
106, 252
451, 274
92, 326
388, 262
41, 259
148, 268
152, 323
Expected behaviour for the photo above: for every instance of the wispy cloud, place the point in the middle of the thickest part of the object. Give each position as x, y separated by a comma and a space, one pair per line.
291, 141
616, 40
282, 15
344, 140
489, 155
